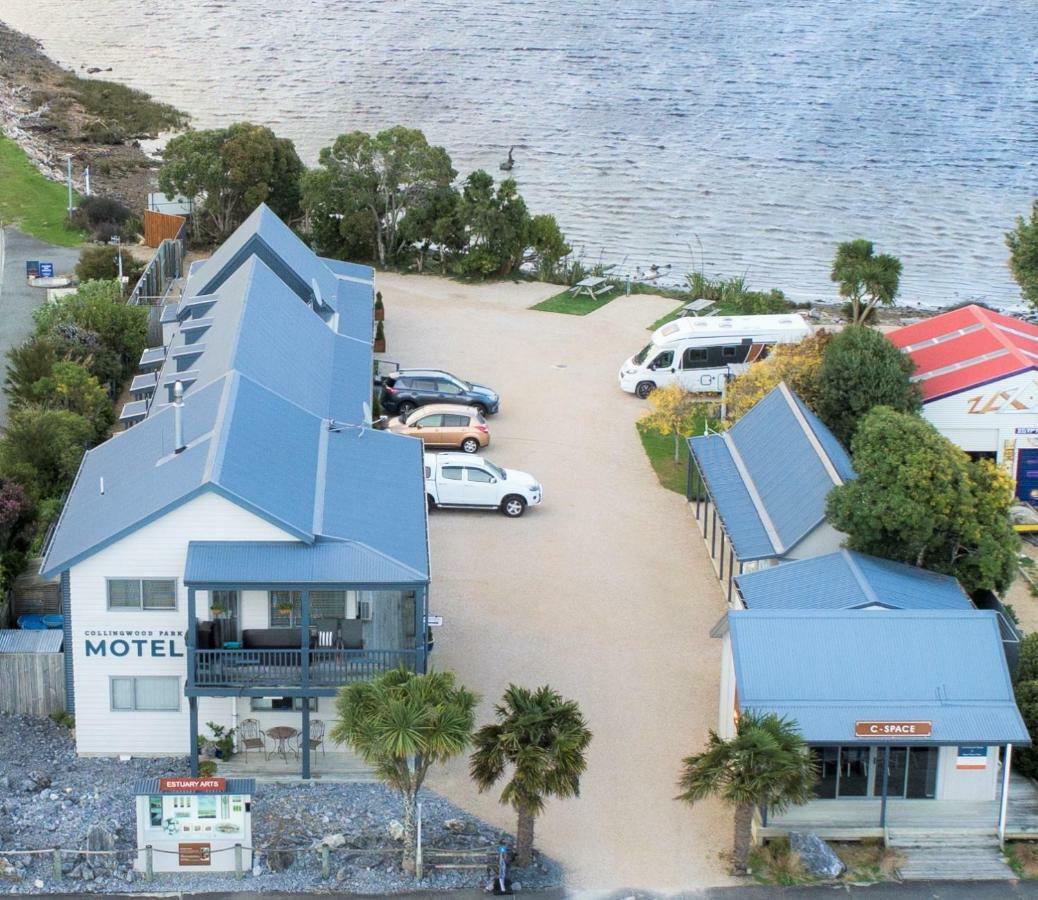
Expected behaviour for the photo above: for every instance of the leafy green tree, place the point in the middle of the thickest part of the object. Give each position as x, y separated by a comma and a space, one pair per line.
674, 411
1027, 664
1025, 759
1023, 255
42, 448
798, 365
229, 171
402, 723
919, 499
862, 369
385, 175
766, 763
71, 387
436, 220
549, 245
98, 307
866, 279
498, 226
26, 365
102, 264
543, 738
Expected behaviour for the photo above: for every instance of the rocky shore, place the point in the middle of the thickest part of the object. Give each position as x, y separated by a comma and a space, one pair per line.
50, 798
52, 112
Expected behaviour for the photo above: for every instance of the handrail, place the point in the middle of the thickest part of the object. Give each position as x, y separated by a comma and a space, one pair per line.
328, 667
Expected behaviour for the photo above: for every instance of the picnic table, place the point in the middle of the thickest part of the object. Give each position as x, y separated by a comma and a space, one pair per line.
696, 307
592, 287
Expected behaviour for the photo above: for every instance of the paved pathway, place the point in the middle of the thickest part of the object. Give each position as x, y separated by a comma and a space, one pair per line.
605, 591
17, 299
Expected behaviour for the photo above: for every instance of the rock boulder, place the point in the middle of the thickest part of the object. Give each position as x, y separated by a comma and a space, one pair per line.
816, 855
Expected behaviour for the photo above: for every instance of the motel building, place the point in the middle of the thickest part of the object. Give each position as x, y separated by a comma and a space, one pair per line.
978, 372
758, 489
899, 687
248, 544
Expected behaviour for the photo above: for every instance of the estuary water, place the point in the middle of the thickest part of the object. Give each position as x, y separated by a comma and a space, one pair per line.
742, 137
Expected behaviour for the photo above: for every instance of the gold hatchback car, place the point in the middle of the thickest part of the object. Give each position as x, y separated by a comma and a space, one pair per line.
444, 425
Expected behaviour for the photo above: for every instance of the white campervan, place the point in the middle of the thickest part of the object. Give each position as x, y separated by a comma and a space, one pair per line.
701, 352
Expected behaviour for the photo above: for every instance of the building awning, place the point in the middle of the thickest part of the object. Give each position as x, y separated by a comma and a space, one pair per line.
269, 563
151, 787
832, 671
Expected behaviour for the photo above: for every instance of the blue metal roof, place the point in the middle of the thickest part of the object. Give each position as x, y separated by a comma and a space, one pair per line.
149, 787
847, 579
827, 670
270, 411
786, 460
286, 562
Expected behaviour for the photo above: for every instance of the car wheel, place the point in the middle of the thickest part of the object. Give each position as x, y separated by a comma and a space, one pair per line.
431, 503
470, 445
405, 409
644, 389
480, 408
513, 506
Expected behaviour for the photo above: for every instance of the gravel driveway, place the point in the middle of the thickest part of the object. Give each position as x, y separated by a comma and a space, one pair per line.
605, 591
17, 299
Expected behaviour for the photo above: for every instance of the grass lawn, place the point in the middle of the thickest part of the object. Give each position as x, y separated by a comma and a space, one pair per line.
31, 202
575, 306
660, 450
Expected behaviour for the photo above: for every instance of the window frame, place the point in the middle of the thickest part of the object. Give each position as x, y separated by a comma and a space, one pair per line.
133, 679
297, 704
488, 478
140, 607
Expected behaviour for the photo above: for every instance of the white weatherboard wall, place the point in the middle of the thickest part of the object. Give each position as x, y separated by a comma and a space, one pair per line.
157, 550
967, 784
821, 539
992, 418
726, 707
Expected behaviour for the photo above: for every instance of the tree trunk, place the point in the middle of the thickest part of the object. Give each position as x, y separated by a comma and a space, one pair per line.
677, 446
410, 832
743, 839
524, 839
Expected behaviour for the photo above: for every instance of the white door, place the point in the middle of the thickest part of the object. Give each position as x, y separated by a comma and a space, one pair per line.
482, 487
663, 368
450, 486
697, 373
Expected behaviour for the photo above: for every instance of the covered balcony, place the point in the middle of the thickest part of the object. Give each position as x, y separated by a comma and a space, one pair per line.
296, 620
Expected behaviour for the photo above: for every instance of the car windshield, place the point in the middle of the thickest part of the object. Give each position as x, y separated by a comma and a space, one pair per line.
496, 470
639, 357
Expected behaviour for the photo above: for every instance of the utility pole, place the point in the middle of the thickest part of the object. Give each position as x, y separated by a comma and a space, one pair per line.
86, 175
68, 160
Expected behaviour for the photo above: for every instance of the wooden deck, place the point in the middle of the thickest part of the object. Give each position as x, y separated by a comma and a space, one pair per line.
335, 766
858, 819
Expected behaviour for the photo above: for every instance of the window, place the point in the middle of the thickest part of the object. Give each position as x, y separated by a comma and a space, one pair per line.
260, 704
145, 693
664, 361
281, 616
694, 358
155, 812
453, 473
146, 593
450, 421
479, 476
447, 387
430, 421
424, 384
327, 605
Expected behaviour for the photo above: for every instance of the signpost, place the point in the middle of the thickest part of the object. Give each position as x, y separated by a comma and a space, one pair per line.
194, 854
193, 785
46, 270
434, 621
893, 729
32, 268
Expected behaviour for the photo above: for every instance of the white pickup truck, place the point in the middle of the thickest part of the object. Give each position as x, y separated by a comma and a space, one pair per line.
462, 480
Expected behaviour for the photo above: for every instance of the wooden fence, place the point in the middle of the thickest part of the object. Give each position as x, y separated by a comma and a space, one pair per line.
32, 684
159, 227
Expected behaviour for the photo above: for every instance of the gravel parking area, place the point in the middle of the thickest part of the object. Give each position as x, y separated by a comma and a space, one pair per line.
605, 591
49, 798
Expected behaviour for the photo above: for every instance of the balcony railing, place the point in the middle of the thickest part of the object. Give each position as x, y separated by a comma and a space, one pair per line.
284, 668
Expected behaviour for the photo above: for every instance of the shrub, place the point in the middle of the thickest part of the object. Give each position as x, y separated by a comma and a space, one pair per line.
1027, 668
1025, 759
26, 365
42, 448
102, 264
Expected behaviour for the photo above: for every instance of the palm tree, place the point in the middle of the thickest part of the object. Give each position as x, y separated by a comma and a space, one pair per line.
766, 763
544, 738
865, 277
401, 723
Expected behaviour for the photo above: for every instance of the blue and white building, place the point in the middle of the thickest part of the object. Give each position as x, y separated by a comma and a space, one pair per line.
249, 543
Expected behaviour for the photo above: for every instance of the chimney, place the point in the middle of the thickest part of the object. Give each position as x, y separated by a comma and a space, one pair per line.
178, 417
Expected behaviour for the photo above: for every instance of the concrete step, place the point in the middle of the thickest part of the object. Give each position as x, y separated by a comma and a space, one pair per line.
955, 864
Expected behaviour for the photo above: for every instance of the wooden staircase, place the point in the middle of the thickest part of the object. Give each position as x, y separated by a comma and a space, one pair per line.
949, 855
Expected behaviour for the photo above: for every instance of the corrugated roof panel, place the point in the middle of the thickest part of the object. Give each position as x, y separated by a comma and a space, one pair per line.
27, 640
847, 580
238, 786
734, 504
829, 669
838, 456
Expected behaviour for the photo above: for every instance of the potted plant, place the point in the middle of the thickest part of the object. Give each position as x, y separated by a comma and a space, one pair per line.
221, 742
283, 606
380, 310
207, 768
380, 339
217, 609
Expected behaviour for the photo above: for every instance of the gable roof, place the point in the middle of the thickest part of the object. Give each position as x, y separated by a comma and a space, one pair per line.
827, 670
272, 387
770, 473
965, 348
847, 579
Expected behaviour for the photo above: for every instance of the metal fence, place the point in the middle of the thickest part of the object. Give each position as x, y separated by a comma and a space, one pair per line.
165, 267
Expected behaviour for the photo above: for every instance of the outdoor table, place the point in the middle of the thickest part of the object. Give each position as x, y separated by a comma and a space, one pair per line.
282, 736
592, 287
696, 307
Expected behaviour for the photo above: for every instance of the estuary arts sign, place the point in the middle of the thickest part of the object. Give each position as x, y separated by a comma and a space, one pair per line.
137, 642
907, 730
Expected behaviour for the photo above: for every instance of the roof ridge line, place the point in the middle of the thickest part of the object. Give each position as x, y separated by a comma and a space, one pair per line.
751, 489
214, 463
859, 576
317, 523
809, 433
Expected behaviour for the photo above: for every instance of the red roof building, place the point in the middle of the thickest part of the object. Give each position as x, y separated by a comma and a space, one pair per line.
967, 348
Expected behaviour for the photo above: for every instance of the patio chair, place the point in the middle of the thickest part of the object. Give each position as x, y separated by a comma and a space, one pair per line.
316, 736
250, 737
